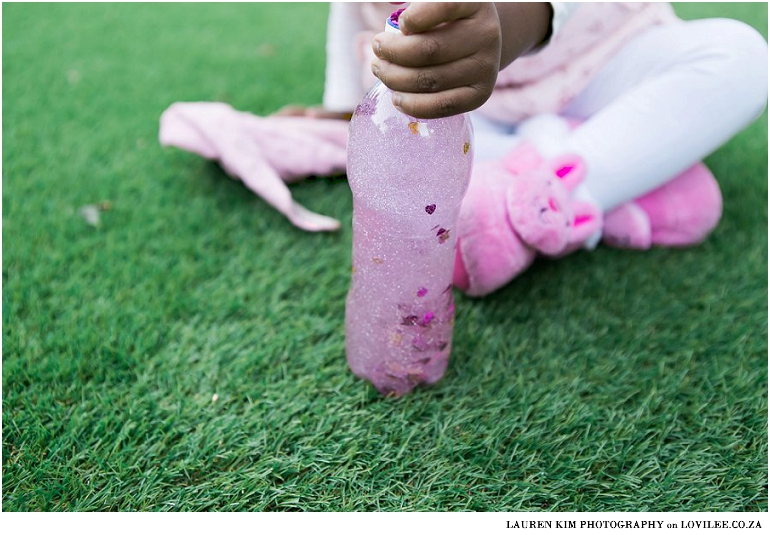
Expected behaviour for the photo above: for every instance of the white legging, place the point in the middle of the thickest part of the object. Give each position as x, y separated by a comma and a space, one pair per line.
669, 98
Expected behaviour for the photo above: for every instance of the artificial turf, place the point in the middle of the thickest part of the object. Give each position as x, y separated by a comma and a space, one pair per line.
188, 354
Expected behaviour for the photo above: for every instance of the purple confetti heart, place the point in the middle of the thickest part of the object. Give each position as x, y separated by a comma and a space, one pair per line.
430, 208
426, 319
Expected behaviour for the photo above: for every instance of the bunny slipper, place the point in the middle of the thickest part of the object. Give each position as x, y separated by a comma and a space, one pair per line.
525, 204
264, 152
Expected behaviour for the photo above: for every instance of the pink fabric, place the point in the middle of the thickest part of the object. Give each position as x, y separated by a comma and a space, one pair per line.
263, 152
545, 82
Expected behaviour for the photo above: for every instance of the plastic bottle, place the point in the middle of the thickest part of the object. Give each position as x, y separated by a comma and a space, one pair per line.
408, 177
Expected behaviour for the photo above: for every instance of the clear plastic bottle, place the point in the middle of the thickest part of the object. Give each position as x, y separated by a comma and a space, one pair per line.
408, 177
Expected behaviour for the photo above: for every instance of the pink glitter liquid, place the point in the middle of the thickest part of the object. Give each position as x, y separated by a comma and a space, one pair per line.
408, 178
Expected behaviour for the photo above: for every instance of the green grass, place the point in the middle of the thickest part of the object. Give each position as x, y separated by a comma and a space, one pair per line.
611, 380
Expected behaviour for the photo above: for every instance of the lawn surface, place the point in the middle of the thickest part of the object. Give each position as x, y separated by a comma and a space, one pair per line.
188, 354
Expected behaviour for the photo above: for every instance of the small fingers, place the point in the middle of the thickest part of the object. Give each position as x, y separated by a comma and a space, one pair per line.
434, 48
465, 71
443, 104
316, 112
290, 110
322, 113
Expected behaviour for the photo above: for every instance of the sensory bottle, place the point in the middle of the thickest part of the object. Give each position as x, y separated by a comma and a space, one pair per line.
408, 177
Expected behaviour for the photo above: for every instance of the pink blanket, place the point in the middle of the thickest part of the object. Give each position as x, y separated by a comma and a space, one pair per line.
264, 152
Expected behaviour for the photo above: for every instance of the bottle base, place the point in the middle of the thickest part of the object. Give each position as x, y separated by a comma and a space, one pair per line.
398, 344
392, 379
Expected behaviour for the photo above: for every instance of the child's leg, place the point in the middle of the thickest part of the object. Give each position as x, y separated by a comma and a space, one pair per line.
667, 100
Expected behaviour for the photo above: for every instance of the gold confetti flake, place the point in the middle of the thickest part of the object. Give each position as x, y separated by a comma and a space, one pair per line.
377, 260
395, 338
416, 127
466, 147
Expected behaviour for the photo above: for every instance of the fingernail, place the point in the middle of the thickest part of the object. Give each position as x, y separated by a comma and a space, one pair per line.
377, 48
396, 99
376, 70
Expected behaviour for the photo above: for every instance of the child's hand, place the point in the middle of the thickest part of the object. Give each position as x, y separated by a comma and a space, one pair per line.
447, 60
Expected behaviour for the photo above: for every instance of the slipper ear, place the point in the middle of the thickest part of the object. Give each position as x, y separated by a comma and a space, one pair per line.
570, 169
586, 222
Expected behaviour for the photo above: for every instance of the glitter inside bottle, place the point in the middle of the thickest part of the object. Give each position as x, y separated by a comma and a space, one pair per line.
408, 177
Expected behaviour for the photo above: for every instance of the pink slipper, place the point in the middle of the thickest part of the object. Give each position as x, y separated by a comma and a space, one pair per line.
515, 209
264, 152
682, 212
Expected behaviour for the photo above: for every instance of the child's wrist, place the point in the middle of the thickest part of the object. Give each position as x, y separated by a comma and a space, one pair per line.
524, 27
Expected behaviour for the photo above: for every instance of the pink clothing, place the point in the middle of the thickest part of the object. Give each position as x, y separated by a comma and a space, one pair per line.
264, 152
546, 81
